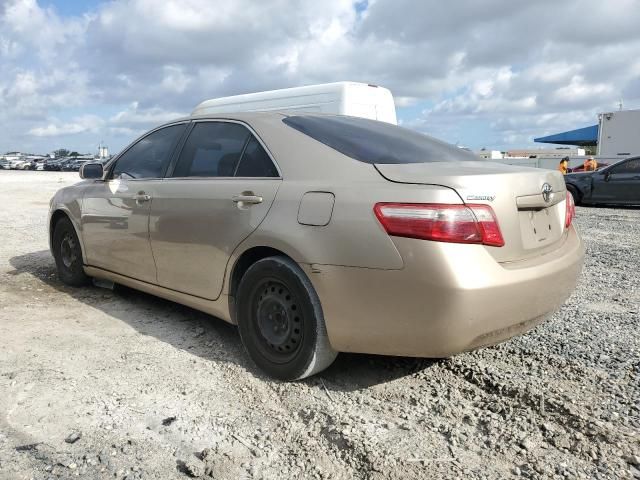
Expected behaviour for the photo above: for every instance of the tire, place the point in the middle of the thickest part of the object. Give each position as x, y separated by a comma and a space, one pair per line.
68, 254
574, 193
280, 320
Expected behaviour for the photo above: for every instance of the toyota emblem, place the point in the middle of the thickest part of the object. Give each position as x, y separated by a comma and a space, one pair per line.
547, 191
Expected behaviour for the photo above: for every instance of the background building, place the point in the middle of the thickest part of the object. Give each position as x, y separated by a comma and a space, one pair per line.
616, 136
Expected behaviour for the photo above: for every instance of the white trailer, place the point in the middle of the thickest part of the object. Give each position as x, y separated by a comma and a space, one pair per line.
342, 98
619, 134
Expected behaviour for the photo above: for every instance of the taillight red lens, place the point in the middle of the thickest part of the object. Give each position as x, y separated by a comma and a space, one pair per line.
441, 222
570, 211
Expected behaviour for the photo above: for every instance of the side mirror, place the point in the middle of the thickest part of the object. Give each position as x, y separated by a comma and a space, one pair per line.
91, 170
607, 176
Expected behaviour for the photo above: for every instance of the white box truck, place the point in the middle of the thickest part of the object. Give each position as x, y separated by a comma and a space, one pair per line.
342, 98
619, 134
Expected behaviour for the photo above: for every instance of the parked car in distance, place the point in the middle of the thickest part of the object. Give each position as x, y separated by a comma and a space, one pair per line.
68, 166
32, 163
19, 164
49, 164
617, 184
54, 164
4, 164
319, 234
74, 165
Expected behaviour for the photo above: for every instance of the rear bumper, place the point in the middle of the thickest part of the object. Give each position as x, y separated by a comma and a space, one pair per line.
449, 298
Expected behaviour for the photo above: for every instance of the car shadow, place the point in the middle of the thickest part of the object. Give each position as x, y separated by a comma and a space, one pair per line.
204, 335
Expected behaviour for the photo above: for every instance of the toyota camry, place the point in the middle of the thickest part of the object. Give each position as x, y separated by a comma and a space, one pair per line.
317, 234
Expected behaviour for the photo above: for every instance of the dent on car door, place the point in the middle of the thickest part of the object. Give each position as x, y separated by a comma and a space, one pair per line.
115, 212
219, 191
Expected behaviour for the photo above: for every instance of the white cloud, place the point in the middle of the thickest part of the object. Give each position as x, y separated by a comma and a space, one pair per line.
134, 115
175, 79
53, 130
28, 27
130, 121
80, 124
578, 90
508, 70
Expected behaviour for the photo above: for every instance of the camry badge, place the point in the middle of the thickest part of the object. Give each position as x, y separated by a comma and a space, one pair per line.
547, 191
481, 197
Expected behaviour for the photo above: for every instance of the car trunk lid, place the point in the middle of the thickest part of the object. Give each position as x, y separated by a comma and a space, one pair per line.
531, 221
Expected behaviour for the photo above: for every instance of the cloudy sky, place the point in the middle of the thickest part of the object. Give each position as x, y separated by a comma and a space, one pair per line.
491, 73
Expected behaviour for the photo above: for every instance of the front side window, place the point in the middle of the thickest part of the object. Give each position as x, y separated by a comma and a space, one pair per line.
213, 149
149, 157
372, 141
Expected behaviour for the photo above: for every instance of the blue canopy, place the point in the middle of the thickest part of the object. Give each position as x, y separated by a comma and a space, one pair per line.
581, 137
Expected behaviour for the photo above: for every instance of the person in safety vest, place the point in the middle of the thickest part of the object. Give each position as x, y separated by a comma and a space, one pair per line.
564, 166
590, 165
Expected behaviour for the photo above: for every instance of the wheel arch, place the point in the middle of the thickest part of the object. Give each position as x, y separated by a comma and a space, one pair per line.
241, 265
56, 216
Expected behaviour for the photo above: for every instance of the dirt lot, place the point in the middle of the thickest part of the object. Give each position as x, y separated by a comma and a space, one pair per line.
157, 390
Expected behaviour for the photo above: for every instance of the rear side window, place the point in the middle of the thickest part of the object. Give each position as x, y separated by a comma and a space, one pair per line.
371, 141
213, 149
149, 157
255, 162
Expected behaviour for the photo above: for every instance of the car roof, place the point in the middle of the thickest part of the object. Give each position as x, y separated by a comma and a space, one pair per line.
240, 116
272, 115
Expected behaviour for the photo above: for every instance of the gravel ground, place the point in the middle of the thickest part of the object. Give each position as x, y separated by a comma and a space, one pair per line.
97, 383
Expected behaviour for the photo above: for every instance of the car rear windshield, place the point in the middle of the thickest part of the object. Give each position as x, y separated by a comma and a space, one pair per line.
371, 141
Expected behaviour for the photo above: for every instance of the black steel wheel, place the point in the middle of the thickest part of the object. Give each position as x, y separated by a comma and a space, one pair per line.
68, 254
280, 320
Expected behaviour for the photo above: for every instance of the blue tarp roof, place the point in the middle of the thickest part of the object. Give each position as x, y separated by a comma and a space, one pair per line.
581, 137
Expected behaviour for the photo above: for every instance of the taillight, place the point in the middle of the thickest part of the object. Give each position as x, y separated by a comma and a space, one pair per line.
570, 211
441, 222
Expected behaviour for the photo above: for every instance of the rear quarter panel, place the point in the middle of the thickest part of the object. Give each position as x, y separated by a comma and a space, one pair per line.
353, 237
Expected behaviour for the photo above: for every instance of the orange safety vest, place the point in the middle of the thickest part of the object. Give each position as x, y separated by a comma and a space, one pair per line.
590, 165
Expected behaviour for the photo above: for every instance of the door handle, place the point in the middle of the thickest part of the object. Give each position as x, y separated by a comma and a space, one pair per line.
249, 199
142, 197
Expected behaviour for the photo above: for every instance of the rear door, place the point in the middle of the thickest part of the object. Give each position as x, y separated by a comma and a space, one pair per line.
618, 184
115, 212
218, 192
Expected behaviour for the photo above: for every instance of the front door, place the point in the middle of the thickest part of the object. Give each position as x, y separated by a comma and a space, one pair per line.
619, 183
115, 212
221, 188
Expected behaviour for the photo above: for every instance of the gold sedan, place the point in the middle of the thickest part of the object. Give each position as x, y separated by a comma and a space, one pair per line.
319, 234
